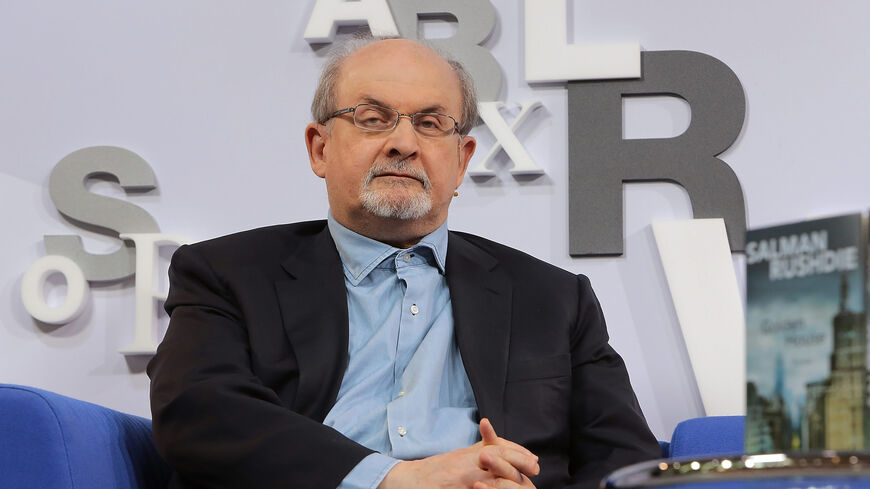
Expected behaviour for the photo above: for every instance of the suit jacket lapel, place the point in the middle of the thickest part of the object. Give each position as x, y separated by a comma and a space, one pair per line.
481, 297
314, 311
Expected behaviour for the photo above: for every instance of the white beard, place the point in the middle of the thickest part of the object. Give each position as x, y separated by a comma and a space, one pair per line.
384, 203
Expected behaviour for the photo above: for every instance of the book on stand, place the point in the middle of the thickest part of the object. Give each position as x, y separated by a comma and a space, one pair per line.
806, 336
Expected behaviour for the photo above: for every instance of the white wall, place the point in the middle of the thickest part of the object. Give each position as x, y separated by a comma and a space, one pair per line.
214, 95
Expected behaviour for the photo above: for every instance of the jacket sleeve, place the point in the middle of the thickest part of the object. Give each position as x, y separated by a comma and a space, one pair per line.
214, 421
608, 429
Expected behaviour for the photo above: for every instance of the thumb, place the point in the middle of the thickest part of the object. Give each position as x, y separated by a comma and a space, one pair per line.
487, 432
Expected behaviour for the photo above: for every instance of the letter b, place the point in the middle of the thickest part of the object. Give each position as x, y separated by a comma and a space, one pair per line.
476, 20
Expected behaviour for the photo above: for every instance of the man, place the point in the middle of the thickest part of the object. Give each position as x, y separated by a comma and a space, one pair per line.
312, 354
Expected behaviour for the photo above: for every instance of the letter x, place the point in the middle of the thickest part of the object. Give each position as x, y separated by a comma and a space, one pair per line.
506, 139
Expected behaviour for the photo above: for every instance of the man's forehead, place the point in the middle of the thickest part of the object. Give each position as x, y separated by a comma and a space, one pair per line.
423, 107
393, 57
398, 70
399, 47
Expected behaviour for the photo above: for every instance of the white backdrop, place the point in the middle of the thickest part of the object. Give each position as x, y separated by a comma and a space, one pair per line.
214, 96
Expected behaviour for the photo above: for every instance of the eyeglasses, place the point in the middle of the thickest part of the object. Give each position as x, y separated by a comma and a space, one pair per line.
371, 117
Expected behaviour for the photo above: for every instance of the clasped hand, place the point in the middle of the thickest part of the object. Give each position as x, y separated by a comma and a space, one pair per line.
492, 463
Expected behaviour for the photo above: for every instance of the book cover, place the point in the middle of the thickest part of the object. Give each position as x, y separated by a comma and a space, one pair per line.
806, 335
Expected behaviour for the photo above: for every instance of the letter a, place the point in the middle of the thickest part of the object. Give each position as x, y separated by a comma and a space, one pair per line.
329, 14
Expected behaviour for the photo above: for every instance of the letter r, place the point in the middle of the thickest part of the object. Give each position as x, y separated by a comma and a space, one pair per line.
600, 160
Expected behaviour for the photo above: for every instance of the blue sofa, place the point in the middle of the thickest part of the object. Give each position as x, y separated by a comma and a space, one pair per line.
50, 441
706, 437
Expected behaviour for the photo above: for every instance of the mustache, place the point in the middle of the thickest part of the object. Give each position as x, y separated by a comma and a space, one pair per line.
398, 165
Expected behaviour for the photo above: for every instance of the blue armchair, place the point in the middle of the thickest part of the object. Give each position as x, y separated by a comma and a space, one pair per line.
707, 437
49, 441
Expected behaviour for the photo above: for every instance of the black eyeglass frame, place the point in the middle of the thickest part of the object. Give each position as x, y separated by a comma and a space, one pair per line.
399, 115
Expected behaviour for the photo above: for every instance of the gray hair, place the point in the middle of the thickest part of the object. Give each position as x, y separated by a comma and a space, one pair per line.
323, 104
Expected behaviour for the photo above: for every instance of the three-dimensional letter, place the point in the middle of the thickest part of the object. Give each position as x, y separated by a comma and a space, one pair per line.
600, 160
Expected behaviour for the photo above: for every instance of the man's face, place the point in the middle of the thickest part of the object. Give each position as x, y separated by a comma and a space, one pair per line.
397, 178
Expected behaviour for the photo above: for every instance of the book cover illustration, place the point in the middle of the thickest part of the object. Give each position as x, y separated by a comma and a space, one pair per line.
806, 335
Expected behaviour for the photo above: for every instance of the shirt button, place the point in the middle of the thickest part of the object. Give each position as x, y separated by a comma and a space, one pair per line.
401, 393
406, 258
414, 309
401, 431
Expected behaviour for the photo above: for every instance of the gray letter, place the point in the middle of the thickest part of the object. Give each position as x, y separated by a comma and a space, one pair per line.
476, 20
98, 213
600, 160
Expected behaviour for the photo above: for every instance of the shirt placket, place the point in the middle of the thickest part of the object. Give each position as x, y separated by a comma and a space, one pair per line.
411, 326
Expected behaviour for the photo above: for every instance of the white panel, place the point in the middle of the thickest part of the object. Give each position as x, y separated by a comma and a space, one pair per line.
700, 273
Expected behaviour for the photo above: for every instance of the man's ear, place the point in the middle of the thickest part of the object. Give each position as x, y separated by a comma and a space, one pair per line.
467, 144
315, 141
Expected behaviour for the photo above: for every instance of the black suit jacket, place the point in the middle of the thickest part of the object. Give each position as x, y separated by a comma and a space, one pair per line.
257, 347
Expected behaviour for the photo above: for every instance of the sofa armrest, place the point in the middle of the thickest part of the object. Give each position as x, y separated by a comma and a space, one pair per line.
708, 436
55, 442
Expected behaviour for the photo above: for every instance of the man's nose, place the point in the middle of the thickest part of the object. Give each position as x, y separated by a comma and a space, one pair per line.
403, 140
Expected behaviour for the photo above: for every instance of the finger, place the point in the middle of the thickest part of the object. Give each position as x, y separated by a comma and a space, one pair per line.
487, 432
504, 442
498, 466
517, 462
508, 464
489, 437
500, 484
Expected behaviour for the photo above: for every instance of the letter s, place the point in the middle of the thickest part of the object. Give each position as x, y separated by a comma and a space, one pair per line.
105, 215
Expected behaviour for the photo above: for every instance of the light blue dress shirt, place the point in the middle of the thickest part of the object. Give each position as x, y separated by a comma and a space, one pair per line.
405, 393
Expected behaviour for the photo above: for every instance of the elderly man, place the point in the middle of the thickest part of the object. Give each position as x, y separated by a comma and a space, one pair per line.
377, 348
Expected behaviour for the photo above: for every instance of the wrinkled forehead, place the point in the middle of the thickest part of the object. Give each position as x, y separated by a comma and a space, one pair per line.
399, 72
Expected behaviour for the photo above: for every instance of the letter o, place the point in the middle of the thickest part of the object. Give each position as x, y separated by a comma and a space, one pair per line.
33, 285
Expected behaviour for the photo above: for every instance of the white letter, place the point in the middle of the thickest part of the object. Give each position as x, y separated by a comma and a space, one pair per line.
549, 57
329, 14
147, 244
33, 283
697, 261
505, 138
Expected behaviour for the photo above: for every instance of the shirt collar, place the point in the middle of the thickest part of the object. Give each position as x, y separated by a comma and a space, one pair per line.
360, 254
